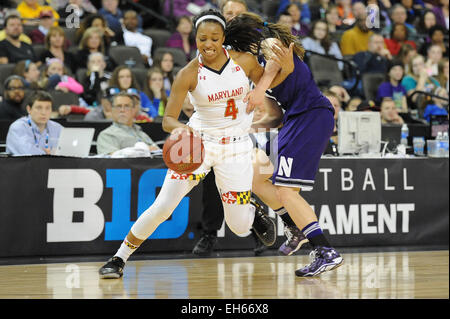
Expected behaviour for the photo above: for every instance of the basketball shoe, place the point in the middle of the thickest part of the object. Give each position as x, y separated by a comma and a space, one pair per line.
263, 225
259, 245
324, 259
295, 240
205, 245
113, 269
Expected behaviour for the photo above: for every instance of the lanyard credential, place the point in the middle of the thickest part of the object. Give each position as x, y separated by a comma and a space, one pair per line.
36, 142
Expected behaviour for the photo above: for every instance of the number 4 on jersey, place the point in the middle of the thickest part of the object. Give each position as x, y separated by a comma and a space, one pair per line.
231, 109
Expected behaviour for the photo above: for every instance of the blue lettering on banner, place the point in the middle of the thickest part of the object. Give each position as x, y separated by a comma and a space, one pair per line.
120, 182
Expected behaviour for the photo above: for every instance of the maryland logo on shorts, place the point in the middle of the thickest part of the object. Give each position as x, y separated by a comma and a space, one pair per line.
190, 176
240, 198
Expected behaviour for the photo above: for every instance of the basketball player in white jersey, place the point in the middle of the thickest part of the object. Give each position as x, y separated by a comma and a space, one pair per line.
216, 82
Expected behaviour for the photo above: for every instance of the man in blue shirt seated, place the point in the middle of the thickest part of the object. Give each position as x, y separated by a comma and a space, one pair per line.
34, 134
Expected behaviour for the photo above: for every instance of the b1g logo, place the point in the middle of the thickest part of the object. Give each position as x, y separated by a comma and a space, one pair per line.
373, 16
77, 192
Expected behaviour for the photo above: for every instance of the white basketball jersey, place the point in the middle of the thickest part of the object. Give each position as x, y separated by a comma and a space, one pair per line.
217, 100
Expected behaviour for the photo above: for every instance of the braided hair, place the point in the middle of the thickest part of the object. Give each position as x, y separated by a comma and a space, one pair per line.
245, 32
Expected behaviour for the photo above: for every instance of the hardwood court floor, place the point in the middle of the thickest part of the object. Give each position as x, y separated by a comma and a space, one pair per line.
363, 275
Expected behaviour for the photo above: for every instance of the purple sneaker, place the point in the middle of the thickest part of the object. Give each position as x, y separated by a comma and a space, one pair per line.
295, 240
325, 259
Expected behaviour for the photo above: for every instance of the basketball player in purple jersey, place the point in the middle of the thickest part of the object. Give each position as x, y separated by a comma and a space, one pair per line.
308, 123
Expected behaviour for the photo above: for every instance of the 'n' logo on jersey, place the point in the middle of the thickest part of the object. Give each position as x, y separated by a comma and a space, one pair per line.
285, 166
236, 69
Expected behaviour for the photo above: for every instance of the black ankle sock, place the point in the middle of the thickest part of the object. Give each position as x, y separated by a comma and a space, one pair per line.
287, 219
319, 240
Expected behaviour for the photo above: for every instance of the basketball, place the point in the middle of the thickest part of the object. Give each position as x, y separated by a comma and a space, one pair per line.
183, 153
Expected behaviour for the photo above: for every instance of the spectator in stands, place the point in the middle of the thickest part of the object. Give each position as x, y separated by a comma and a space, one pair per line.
353, 103
418, 79
375, 59
46, 20
434, 56
154, 89
443, 73
34, 134
124, 79
164, 61
183, 38
389, 113
345, 12
334, 23
54, 77
426, 22
23, 37
399, 15
78, 8
91, 42
437, 37
357, 38
110, 37
302, 5
110, 10
96, 81
29, 71
319, 41
30, 10
318, 10
177, 8
231, 8
123, 136
341, 93
102, 112
437, 106
441, 12
286, 20
11, 106
413, 11
56, 44
393, 88
398, 37
299, 29
12, 50
406, 53
133, 38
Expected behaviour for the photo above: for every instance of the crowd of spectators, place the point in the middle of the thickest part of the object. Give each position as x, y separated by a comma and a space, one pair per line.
68, 46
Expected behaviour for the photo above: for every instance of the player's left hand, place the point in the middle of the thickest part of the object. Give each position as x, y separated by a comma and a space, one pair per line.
253, 99
284, 57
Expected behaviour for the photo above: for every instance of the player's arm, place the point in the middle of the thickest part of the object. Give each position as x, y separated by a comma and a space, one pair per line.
185, 80
270, 76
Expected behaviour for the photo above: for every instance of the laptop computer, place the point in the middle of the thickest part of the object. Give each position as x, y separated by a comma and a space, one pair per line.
75, 142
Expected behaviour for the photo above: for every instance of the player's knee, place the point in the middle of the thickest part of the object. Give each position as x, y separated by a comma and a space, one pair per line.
239, 227
284, 194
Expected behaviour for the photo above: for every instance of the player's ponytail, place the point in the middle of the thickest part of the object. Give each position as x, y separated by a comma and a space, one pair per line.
245, 32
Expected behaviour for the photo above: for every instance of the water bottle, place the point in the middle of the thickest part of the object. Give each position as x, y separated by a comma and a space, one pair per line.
439, 145
405, 133
444, 143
